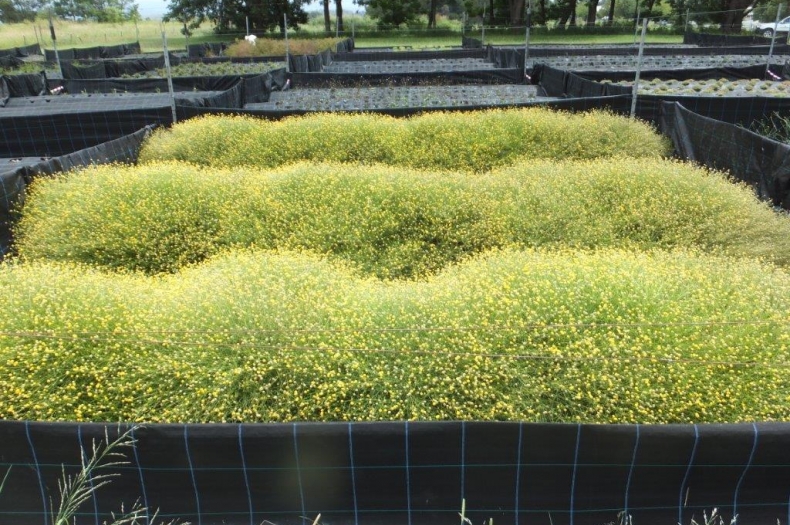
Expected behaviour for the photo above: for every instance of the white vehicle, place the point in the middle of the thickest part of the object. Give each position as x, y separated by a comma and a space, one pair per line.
766, 29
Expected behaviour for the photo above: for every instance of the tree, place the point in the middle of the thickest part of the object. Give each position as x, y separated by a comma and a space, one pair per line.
728, 14
432, 13
339, 14
20, 10
327, 18
264, 15
97, 10
564, 11
393, 13
592, 12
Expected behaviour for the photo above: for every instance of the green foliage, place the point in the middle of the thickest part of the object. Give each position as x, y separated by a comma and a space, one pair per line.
607, 336
473, 141
113, 11
774, 126
389, 222
233, 14
393, 13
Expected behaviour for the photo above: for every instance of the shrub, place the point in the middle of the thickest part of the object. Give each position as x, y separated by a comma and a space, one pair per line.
473, 141
389, 222
276, 47
607, 336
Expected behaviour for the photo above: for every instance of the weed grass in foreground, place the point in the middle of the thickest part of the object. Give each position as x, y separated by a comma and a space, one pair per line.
469, 141
606, 336
389, 222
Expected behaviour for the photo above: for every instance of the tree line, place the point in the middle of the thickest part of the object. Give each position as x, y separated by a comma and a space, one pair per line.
273, 15
93, 10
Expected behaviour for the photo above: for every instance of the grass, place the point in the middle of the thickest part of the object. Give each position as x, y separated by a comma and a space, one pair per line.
90, 34
774, 126
427, 41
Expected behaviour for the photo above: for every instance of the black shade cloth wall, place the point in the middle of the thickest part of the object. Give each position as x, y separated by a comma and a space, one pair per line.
366, 56
82, 53
345, 46
719, 40
309, 63
10, 62
22, 51
561, 83
17, 174
26, 85
411, 472
5, 93
57, 134
316, 63
759, 161
113, 68
206, 49
471, 43
235, 60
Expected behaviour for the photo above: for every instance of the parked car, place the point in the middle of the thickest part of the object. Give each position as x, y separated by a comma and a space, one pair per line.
766, 29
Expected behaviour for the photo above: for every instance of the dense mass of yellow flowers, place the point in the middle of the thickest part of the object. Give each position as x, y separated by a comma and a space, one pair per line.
489, 288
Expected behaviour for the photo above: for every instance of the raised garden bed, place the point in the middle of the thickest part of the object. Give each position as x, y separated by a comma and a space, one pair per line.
712, 88
199, 69
663, 62
409, 66
364, 98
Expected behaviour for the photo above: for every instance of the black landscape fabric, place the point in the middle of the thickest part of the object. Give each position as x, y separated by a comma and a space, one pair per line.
22, 51
57, 134
26, 85
762, 163
206, 49
412, 472
367, 56
721, 40
10, 62
17, 173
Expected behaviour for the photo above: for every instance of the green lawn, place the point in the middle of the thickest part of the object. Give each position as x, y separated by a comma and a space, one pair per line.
410, 40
